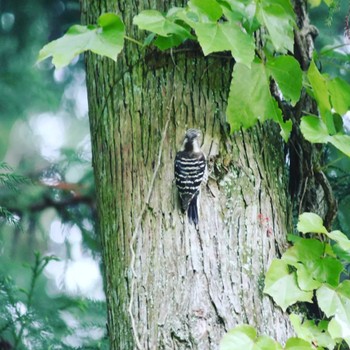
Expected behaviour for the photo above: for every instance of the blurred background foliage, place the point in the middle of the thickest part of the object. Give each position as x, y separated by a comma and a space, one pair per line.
51, 286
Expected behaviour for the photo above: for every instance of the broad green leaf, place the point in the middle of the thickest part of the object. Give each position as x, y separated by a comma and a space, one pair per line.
311, 222
214, 37
282, 286
278, 17
287, 73
314, 3
210, 8
106, 39
335, 301
341, 239
342, 142
311, 332
298, 344
314, 129
313, 267
250, 99
245, 337
339, 328
321, 94
241, 337
156, 22
340, 95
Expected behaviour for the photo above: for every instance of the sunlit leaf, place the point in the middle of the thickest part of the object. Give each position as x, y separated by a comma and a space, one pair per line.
282, 286
298, 344
321, 94
339, 328
333, 300
341, 239
340, 95
214, 37
210, 8
106, 39
245, 337
278, 17
311, 222
156, 22
311, 332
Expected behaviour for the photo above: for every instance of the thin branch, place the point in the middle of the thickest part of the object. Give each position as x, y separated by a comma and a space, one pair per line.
137, 226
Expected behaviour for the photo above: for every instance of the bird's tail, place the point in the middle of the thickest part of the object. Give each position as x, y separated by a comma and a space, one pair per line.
192, 211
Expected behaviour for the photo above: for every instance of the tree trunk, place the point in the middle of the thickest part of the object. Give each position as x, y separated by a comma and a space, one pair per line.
184, 288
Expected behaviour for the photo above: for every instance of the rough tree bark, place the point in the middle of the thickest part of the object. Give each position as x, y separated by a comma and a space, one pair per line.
188, 287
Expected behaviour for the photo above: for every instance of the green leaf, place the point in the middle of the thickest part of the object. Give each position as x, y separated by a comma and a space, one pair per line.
335, 301
278, 17
342, 142
341, 239
315, 131
340, 95
297, 344
339, 329
245, 337
282, 286
313, 267
311, 332
320, 91
156, 22
311, 222
314, 3
106, 39
250, 99
287, 73
215, 37
210, 8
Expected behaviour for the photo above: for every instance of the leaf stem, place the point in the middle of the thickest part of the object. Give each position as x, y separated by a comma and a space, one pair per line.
133, 40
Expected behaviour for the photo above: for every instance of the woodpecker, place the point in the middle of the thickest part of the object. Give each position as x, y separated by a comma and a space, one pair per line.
190, 170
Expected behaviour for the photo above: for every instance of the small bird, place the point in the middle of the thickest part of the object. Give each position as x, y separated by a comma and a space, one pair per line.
190, 170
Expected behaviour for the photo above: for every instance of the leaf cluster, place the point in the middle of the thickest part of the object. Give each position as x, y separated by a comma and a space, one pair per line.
312, 271
231, 26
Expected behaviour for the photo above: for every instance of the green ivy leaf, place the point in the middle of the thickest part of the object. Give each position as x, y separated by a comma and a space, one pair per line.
245, 337
281, 285
342, 142
287, 73
311, 332
315, 131
313, 267
278, 17
156, 22
339, 328
311, 222
335, 301
341, 239
106, 39
209, 8
250, 99
340, 95
298, 344
321, 94
215, 37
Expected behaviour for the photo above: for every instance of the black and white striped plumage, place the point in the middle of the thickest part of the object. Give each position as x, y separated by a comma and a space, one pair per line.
190, 169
